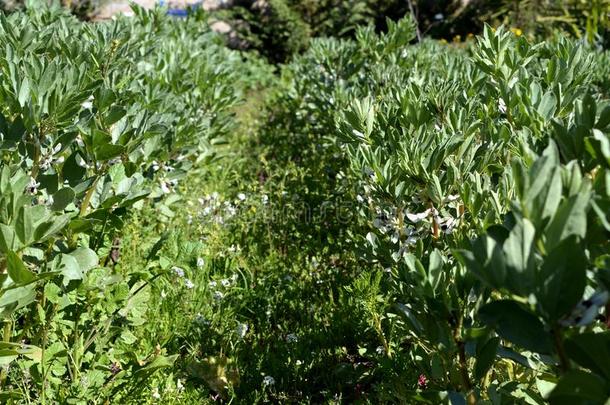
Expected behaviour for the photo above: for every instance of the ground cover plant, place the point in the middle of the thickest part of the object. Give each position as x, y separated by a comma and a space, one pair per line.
379, 221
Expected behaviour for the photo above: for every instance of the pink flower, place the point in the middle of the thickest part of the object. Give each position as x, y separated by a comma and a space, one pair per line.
422, 381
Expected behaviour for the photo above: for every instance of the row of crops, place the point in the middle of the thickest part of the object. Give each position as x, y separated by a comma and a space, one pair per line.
377, 221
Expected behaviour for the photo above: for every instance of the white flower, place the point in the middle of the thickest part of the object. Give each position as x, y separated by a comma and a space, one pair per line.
87, 105
380, 350
225, 282
452, 198
359, 198
165, 188
268, 380
241, 330
502, 105
188, 283
79, 141
218, 295
241, 196
415, 218
446, 224
291, 338
179, 271
212, 284
265, 199
179, 385
200, 262
155, 393
163, 294
32, 186
439, 16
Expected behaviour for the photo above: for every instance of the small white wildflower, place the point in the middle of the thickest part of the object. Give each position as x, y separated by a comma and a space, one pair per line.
268, 381
439, 16
415, 218
212, 284
502, 105
179, 385
225, 282
165, 187
79, 141
380, 350
200, 262
188, 284
87, 105
179, 271
241, 330
155, 393
265, 199
241, 196
291, 338
218, 295
163, 294
32, 186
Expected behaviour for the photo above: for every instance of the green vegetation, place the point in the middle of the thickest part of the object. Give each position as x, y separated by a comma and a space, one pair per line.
377, 221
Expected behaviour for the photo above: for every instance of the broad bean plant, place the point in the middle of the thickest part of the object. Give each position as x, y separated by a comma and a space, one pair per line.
96, 120
484, 178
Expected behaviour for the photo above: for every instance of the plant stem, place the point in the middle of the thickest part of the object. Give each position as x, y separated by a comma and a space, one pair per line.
564, 362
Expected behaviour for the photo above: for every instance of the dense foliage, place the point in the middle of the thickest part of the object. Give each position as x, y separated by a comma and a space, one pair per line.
381, 222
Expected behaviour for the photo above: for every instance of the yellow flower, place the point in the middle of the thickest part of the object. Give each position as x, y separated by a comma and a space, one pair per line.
457, 38
443, 41
517, 31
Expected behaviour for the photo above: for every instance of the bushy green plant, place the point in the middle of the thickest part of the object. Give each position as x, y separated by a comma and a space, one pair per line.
448, 144
96, 120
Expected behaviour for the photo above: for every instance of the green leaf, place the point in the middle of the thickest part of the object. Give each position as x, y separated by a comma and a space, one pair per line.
68, 266
15, 298
579, 387
17, 270
8, 239
86, 258
62, 198
24, 225
50, 228
519, 257
570, 218
158, 363
516, 324
72, 171
24, 92
592, 351
562, 279
486, 355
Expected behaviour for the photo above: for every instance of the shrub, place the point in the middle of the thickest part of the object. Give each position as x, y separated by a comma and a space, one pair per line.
96, 121
483, 177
